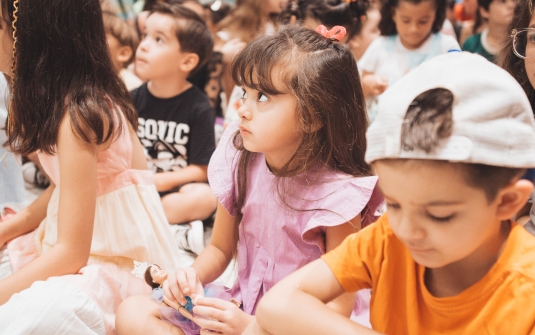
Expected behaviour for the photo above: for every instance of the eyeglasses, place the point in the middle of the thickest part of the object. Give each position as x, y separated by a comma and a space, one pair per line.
524, 42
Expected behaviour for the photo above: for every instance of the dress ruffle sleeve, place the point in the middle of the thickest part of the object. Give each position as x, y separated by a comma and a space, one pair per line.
222, 167
356, 196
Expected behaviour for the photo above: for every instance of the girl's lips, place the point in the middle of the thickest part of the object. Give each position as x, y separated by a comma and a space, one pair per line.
244, 130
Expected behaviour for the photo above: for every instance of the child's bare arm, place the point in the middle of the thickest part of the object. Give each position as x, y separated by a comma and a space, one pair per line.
78, 189
212, 261
297, 305
166, 181
27, 219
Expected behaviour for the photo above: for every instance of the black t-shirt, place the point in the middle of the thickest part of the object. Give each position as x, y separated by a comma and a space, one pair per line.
177, 131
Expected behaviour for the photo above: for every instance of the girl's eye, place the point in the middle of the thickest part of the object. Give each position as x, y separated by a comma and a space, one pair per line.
444, 219
423, 22
243, 94
159, 40
531, 37
262, 97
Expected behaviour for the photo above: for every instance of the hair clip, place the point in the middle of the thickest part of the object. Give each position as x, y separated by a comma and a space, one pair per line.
336, 33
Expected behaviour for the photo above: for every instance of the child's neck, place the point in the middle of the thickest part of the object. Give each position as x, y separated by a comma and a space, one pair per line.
454, 278
168, 87
495, 37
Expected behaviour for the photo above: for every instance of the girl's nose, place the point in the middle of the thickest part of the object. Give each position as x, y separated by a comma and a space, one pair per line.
243, 111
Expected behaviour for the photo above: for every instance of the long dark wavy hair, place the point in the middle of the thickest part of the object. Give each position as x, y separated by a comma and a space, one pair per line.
324, 78
63, 66
388, 26
329, 12
511, 62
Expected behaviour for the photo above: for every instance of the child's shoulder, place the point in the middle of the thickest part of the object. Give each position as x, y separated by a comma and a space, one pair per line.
518, 255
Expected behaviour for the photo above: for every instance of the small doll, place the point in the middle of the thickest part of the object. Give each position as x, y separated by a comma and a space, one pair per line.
157, 279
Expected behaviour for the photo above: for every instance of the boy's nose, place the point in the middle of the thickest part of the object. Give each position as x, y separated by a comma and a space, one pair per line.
409, 230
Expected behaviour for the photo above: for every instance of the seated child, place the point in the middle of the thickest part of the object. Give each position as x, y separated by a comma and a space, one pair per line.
446, 257
498, 15
409, 36
122, 41
176, 121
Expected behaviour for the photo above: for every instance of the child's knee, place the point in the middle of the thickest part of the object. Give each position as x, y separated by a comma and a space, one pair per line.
134, 312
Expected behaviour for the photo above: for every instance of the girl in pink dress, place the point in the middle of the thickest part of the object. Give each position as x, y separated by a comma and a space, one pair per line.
290, 179
72, 250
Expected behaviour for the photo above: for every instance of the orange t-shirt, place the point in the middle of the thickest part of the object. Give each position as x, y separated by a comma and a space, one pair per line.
502, 302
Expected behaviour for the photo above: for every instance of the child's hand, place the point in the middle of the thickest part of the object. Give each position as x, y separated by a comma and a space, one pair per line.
374, 85
182, 283
220, 316
230, 49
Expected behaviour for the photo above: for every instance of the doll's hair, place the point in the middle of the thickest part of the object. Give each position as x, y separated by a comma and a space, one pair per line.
506, 57
191, 31
63, 66
388, 26
329, 13
323, 77
148, 276
123, 32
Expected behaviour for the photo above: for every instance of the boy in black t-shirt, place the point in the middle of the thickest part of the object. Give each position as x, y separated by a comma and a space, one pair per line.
176, 121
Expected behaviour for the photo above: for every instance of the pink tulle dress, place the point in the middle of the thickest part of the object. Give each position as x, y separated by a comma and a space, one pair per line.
129, 225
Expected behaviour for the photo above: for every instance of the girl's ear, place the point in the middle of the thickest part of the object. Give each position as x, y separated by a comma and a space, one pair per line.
189, 62
512, 198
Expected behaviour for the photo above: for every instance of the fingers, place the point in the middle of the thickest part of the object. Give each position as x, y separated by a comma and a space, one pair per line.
173, 289
184, 282
212, 325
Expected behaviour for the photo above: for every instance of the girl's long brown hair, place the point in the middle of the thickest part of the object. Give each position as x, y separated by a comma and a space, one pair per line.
511, 62
323, 77
63, 66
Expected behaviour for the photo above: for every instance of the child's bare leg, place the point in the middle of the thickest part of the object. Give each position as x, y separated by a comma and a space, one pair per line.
194, 201
139, 315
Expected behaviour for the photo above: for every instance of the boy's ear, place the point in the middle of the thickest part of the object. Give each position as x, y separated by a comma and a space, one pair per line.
189, 62
484, 13
512, 198
124, 54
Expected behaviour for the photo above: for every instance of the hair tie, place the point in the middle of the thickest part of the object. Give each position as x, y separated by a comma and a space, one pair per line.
336, 33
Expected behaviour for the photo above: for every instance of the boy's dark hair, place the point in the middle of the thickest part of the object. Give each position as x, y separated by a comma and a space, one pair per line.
484, 4
122, 31
511, 62
63, 66
323, 77
191, 31
329, 12
429, 120
218, 15
387, 25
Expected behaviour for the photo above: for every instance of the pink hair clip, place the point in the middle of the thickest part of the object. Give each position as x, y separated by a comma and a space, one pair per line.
336, 33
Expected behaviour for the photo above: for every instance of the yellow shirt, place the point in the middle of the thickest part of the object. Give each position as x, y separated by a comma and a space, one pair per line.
502, 302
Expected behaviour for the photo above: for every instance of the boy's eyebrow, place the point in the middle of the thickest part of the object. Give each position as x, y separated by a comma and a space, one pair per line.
443, 203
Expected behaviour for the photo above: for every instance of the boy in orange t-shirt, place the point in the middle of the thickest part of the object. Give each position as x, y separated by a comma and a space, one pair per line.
449, 146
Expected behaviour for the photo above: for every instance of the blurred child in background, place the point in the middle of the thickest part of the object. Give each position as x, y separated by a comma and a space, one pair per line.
176, 121
409, 36
497, 15
122, 41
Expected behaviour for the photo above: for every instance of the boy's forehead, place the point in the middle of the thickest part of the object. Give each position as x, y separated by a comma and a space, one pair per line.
423, 182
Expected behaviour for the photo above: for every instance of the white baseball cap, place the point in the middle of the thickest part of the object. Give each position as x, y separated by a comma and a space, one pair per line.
493, 123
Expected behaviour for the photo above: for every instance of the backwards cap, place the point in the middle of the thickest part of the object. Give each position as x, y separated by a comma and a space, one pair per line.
493, 123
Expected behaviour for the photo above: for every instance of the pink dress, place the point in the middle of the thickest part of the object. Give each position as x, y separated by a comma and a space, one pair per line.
275, 240
129, 225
